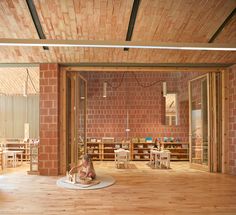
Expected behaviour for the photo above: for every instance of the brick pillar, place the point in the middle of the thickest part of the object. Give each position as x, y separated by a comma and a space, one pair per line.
49, 120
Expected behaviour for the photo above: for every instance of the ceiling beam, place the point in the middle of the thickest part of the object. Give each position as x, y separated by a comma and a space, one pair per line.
132, 20
35, 18
143, 69
223, 25
118, 44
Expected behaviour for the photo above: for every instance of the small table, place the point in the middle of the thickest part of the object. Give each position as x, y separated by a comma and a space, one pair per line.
160, 157
13, 154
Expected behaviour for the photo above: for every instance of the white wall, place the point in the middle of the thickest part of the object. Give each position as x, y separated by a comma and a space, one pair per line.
17, 110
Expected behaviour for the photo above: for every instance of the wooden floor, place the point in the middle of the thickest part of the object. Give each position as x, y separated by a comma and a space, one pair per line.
138, 190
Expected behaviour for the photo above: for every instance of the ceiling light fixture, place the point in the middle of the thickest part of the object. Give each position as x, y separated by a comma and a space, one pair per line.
119, 44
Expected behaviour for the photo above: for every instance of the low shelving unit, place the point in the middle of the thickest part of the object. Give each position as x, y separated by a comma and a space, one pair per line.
179, 150
103, 149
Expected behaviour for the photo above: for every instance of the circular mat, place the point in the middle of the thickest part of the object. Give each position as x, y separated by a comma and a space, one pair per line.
103, 181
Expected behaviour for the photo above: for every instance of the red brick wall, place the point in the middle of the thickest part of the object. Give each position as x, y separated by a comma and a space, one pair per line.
107, 116
232, 120
49, 128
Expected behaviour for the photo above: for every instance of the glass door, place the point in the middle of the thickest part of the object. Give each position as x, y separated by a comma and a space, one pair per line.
199, 122
76, 88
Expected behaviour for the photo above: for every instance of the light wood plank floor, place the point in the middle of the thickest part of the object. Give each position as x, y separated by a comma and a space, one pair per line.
138, 190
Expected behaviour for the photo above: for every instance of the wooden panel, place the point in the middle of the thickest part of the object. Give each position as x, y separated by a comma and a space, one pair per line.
225, 121
62, 125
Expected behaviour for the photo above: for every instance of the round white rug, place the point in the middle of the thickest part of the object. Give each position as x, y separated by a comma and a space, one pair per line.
103, 181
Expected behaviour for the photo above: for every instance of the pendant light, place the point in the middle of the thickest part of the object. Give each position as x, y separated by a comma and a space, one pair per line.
164, 89
104, 89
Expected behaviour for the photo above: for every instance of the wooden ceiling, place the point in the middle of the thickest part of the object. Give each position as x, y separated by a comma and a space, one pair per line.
157, 20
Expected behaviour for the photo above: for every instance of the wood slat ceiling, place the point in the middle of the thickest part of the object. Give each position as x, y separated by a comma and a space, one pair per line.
12, 80
157, 20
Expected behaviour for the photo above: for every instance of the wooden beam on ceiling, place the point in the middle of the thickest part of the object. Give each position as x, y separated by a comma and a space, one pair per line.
132, 20
143, 69
118, 44
35, 18
223, 25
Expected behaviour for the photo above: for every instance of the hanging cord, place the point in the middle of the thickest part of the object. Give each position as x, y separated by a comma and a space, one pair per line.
136, 79
28, 75
116, 87
145, 86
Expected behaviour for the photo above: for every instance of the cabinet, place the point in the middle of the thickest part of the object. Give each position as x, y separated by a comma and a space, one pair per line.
141, 150
179, 150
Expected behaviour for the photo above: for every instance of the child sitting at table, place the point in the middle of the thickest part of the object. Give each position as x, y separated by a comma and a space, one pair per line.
84, 170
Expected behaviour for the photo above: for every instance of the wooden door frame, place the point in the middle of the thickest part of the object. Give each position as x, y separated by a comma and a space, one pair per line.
225, 120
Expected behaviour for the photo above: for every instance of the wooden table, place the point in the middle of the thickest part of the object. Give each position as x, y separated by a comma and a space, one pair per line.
13, 154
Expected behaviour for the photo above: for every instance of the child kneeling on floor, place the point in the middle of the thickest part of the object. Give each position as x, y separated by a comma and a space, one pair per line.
86, 169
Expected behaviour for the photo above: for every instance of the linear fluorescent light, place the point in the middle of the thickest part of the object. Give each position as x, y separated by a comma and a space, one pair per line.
118, 44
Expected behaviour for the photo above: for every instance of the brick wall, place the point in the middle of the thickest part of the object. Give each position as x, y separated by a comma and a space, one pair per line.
49, 128
232, 120
107, 116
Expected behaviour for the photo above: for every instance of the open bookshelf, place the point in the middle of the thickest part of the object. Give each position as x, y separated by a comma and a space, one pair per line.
104, 149
141, 150
179, 150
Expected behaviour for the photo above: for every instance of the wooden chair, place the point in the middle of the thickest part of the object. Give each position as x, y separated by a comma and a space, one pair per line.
165, 159
121, 156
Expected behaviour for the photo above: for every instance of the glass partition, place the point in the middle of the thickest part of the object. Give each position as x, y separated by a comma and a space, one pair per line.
199, 129
75, 118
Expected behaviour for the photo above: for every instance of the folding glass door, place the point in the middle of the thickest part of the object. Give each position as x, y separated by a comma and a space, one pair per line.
76, 88
199, 122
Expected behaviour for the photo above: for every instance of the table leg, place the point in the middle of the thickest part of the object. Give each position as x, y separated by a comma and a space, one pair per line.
21, 158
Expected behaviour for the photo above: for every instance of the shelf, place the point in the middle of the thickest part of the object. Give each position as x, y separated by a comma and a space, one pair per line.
144, 152
179, 153
94, 153
141, 159
141, 153
143, 148
176, 143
